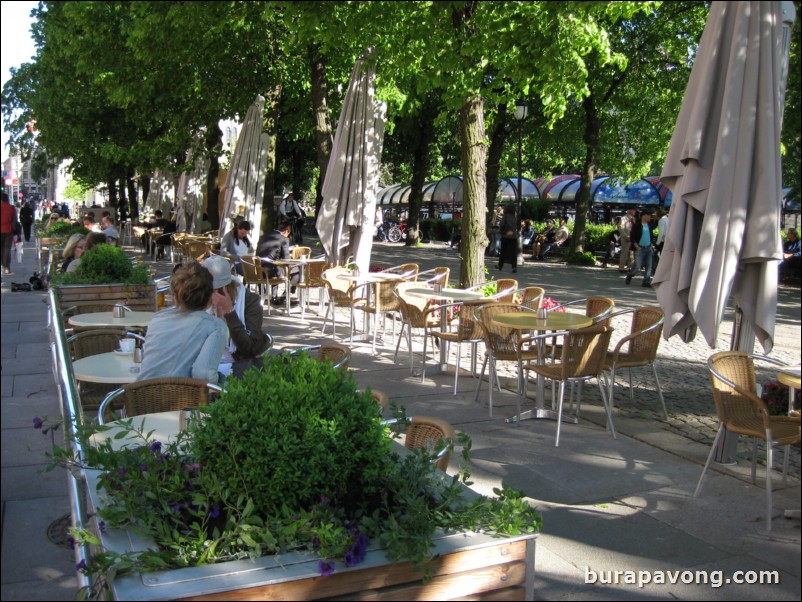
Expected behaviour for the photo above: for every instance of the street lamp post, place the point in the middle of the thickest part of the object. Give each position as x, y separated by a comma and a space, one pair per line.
521, 111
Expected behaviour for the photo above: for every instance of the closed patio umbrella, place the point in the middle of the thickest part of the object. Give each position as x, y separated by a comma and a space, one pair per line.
723, 167
245, 181
190, 194
345, 221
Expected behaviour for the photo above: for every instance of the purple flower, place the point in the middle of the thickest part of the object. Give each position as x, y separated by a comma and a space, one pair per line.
175, 507
315, 542
143, 467
326, 568
122, 472
37, 423
214, 512
102, 526
81, 566
71, 541
156, 447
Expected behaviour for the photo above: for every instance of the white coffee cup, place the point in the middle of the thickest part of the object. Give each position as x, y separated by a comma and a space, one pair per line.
127, 345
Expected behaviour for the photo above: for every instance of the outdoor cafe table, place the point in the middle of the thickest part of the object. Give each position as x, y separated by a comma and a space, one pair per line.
554, 321
288, 264
370, 278
444, 295
790, 377
113, 368
130, 319
160, 426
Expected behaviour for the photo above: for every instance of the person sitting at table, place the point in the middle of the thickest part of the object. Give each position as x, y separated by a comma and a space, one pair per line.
109, 230
72, 251
242, 312
186, 340
89, 241
235, 244
276, 246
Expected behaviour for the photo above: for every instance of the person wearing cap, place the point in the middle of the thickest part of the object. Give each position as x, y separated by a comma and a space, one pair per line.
242, 312
186, 340
235, 244
625, 223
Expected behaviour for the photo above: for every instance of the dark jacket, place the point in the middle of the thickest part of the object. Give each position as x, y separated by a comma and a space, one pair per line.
249, 338
273, 246
26, 214
637, 232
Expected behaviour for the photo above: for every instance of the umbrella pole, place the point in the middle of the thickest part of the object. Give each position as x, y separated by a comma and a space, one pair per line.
743, 335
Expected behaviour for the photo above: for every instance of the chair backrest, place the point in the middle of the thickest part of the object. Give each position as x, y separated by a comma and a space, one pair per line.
94, 341
532, 297
505, 290
738, 408
162, 395
649, 322
314, 274
409, 271
339, 355
413, 309
252, 270
599, 309
467, 328
298, 252
584, 351
435, 276
498, 338
339, 289
426, 431
197, 250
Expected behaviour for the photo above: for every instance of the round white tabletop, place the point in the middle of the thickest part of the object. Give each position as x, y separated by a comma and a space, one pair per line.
371, 277
110, 368
137, 319
161, 426
446, 294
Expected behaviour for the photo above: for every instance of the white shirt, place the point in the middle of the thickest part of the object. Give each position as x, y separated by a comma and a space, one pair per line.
662, 228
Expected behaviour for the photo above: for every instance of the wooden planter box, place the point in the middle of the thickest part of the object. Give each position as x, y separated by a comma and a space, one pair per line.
474, 566
139, 297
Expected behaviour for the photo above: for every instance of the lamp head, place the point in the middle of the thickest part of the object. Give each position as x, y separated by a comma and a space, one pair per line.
521, 110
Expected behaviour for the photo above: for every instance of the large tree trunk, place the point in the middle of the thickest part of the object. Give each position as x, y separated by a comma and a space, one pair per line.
591, 138
112, 192
214, 146
323, 136
498, 140
145, 183
122, 205
420, 169
473, 155
270, 127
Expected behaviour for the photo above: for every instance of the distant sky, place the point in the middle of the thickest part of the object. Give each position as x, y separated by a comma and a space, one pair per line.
16, 43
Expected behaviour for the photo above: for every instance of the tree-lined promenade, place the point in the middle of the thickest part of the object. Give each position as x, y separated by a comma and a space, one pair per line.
123, 88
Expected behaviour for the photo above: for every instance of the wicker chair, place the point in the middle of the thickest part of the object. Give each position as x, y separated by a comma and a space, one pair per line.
413, 315
313, 278
435, 276
427, 431
254, 275
501, 344
462, 328
381, 302
582, 359
505, 289
93, 341
340, 294
272, 281
298, 252
409, 271
335, 353
642, 341
531, 296
157, 395
598, 309
741, 411
380, 397
196, 250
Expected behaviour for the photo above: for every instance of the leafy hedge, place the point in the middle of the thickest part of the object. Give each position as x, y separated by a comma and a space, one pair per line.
105, 264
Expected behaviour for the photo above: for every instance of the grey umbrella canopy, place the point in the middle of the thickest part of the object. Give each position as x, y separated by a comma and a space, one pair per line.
345, 221
190, 194
723, 167
245, 181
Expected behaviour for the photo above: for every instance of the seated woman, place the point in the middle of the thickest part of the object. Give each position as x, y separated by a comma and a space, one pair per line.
89, 241
72, 251
242, 312
186, 340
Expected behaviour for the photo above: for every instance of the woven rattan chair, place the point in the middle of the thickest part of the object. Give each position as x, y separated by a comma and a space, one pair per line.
741, 411
598, 309
435, 276
582, 358
413, 316
462, 327
531, 296
642, 343
93, 341
336, 354
298, 252
380, 397
340, 294
272, 281
501, 344
313, 279
196, 250
505, 289
381, 303
427, 431
254, 275
409, 271
157, 395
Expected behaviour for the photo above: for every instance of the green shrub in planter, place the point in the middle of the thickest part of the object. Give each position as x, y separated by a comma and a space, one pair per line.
105, 264
294, 434
576, 258
597, 236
